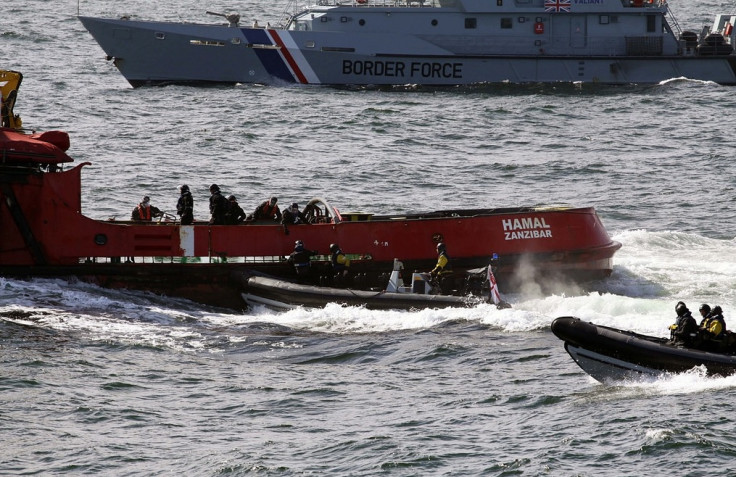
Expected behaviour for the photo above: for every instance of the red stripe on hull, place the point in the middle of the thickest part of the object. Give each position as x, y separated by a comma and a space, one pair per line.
287, 56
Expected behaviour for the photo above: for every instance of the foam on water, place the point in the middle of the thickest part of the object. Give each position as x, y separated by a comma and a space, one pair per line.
652, 271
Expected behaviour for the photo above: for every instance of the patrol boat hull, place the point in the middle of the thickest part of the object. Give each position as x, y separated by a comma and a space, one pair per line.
439, 42
610, 354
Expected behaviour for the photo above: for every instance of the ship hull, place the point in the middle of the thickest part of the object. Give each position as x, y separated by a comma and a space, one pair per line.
148, 53
45, 233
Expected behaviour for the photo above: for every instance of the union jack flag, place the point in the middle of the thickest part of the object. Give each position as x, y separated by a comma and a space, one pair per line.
495, 295
556, 6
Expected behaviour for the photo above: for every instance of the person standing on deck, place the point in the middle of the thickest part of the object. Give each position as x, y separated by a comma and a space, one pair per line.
235, 214
185, 205
218, 206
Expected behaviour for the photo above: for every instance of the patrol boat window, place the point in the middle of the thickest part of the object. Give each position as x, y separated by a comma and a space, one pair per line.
507, 23
471, 23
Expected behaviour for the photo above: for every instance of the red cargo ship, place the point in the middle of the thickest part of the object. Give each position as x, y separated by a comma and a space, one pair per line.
46, 234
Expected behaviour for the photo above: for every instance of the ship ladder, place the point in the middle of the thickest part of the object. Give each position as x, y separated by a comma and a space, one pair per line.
22, 223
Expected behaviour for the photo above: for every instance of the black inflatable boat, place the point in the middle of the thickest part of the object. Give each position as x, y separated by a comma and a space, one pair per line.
611, 354
284, 295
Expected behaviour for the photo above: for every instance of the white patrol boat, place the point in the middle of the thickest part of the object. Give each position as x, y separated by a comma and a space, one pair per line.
427, 42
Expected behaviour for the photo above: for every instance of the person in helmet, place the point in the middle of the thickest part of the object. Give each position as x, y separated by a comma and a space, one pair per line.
185, 205
218, 206
704, 312
685, 329
339, 262
443, 262
713, 327
301, 260
440, 274
234, 214
144, 211
268, 210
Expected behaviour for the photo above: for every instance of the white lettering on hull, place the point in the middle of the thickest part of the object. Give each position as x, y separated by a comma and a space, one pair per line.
526, 228
527, 234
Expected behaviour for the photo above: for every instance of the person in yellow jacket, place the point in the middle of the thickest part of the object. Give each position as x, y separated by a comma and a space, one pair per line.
714, 325
340, 264
443, 262
443, 269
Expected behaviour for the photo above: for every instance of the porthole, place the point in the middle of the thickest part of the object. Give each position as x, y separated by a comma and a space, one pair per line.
434, 22
361, 22
100, 239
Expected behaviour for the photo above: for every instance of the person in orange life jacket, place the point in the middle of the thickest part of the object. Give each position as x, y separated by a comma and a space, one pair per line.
185, 205
218, 206
268, 210
235, 214
145, 211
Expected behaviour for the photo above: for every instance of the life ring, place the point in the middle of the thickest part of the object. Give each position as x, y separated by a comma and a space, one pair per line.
362, 2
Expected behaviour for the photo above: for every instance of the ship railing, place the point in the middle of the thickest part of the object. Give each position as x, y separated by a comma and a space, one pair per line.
378, 3
672, 22
644, 3
182, 260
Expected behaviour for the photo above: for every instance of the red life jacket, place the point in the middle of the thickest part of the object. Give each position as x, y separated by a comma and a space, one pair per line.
144, 213
268, 210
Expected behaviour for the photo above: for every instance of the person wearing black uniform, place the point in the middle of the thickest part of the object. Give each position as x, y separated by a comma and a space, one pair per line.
218, 206
185, 205
685, 329
300, 259
235, 214
292, 216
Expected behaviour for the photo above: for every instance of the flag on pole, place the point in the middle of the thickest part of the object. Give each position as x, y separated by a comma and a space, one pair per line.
495, 295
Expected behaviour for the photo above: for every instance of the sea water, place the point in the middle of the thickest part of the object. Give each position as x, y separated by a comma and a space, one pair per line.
114, 382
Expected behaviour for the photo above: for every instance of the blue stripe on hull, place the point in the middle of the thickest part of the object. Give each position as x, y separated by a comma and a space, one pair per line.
270, 58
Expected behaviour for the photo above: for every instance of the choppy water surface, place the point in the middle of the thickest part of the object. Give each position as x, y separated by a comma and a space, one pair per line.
113, 382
